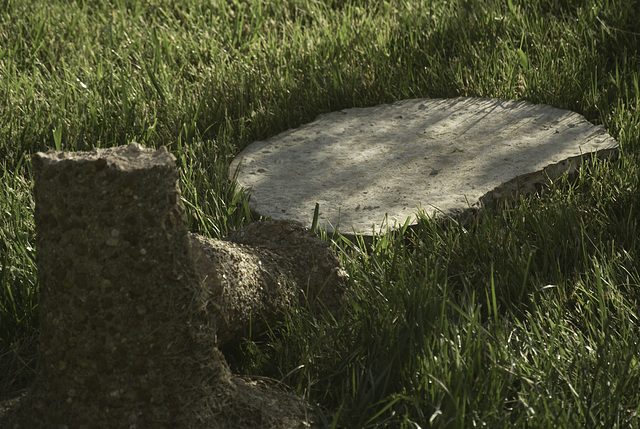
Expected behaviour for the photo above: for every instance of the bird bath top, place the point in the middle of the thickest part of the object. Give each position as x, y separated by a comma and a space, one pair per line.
383, 164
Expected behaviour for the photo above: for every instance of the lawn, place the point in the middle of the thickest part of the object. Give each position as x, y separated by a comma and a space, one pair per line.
523, 316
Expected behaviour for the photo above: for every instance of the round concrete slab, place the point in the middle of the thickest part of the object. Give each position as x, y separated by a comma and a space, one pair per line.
381, 165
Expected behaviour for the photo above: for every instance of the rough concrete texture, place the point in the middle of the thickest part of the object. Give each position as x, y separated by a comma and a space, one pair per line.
440, 156
127, 329
264, 268
311, 262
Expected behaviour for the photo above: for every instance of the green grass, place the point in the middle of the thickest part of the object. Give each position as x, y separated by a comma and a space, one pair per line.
526, 316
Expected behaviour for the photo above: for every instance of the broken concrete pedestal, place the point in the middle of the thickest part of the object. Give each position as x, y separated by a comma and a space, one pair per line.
128, 329
263, 269
382, 164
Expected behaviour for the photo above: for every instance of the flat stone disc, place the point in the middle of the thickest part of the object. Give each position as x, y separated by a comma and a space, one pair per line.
381, 165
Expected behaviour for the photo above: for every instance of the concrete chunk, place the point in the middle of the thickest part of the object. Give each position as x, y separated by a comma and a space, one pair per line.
442, 156
128, 326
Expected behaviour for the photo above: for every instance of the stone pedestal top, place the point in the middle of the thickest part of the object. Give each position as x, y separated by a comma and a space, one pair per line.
383, 164
129, 157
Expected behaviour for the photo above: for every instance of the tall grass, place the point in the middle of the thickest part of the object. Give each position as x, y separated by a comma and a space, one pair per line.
525, 316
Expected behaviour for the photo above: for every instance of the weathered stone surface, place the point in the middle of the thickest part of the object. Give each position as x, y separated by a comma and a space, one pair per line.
441, 156
127, 328
264, 268
310, 261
